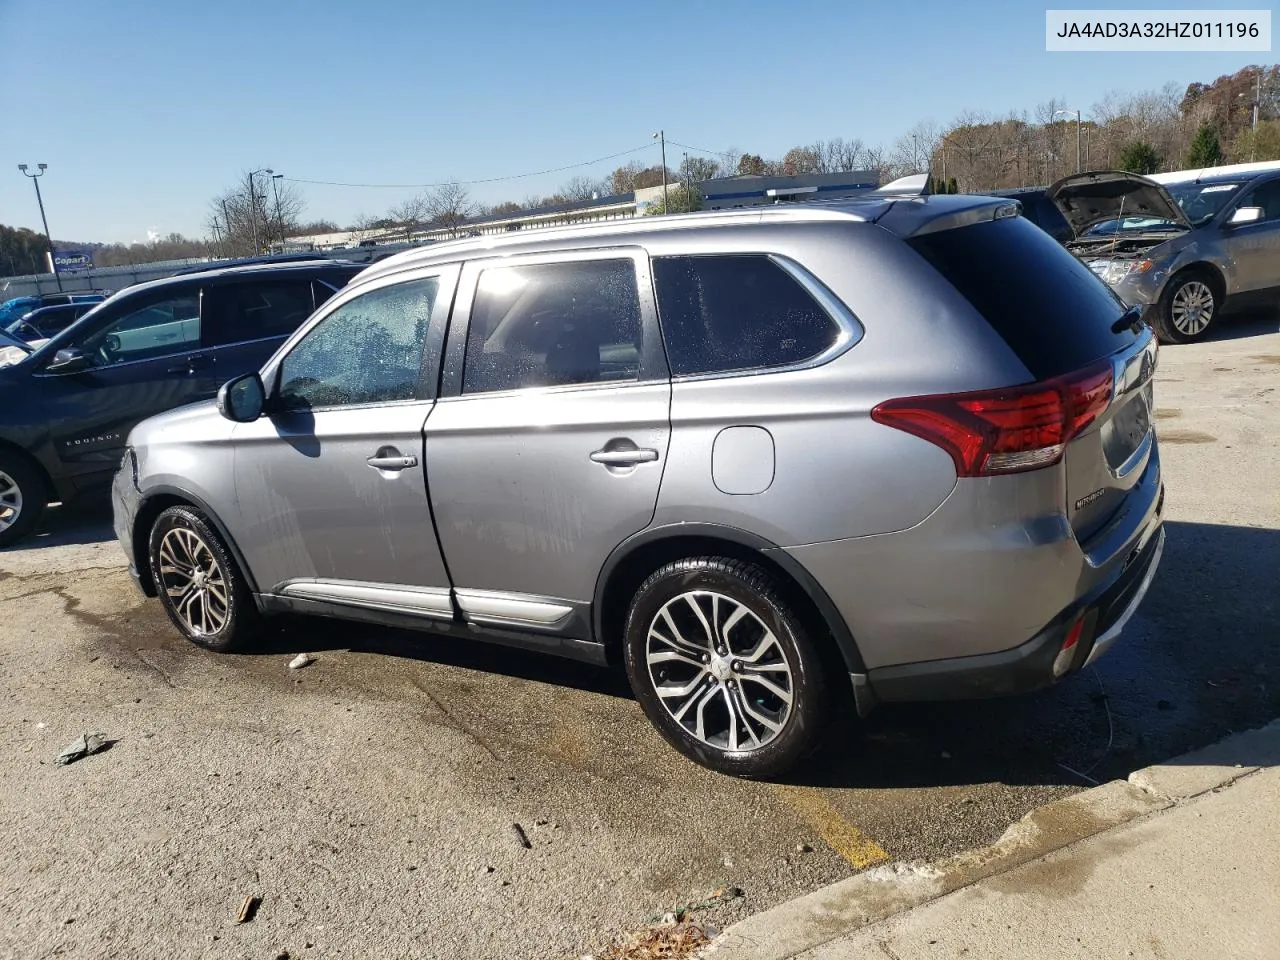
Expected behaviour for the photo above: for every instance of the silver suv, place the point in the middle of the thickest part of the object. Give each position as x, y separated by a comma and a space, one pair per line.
886, 449
1187, 250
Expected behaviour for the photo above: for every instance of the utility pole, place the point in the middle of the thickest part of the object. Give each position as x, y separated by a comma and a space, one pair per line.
275, 188
1257, 99
226, 233
253, 211
35, 178
1079, 136
661, 137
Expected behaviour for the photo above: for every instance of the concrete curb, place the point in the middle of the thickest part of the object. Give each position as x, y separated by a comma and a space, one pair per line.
848, 905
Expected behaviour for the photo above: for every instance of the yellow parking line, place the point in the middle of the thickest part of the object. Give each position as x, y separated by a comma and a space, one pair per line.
837, 832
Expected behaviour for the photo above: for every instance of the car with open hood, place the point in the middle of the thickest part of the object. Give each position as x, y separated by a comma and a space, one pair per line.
1187, 251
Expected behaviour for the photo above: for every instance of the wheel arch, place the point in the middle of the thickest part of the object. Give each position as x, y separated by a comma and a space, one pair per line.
1212, 272
12, 449
639, 555
156, 501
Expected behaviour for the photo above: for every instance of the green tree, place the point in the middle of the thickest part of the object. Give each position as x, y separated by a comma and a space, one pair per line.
22, 252
1205, 150
1264, 145
1139, 157
680, 199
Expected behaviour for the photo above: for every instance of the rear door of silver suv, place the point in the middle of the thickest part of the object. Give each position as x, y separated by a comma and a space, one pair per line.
548, 444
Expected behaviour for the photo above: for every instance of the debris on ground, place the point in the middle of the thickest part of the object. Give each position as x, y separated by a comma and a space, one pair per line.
83, 746
678, 942
248, 909
301, 660
521, 836
677, 914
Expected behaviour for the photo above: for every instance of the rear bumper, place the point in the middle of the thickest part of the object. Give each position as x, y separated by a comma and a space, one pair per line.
1102, 614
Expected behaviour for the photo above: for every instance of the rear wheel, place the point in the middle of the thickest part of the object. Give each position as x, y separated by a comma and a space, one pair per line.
724, 668
1188, 307
200, 586
22, 498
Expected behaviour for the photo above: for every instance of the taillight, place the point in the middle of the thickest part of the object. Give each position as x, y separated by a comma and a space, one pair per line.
989, 432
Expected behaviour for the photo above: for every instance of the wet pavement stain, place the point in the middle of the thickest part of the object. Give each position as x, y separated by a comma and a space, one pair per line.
1185, 436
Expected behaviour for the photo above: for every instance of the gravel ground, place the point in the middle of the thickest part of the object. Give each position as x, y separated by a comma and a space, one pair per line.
369, 798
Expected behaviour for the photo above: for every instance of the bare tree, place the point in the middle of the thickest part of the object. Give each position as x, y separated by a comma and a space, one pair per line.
449, 206
251, 222
913, 150
409, 213
838, 155
697, 169
587, 188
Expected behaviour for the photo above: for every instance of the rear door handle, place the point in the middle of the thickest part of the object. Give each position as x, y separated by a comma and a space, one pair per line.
392, 463
624, 458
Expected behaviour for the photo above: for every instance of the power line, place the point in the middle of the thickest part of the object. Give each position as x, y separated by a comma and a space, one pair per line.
714, 153
449, 183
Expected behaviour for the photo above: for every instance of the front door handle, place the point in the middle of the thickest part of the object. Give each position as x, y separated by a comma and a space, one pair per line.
191, 366
392, 463
624, 458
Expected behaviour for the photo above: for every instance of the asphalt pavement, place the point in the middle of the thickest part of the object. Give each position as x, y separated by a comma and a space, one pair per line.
369, 798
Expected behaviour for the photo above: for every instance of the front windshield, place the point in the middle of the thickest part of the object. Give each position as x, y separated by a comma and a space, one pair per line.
1200, 202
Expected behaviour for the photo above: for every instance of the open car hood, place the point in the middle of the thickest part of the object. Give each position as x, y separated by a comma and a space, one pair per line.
1087, 199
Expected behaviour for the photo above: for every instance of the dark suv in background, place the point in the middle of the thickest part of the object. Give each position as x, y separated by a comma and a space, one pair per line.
66, 405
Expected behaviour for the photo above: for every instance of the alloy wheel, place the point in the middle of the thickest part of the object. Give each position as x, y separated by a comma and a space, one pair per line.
1192, 307
719, 671
10, 501
194, 581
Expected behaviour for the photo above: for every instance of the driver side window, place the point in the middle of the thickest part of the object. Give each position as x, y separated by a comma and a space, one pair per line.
368, 350
1267, 196
157, 329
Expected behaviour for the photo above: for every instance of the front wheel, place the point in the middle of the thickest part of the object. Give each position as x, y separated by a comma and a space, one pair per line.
22, 498
724, 668
200, 586
1188, 307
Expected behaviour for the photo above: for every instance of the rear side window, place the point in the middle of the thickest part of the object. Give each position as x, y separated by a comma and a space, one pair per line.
1046, 305
737, 312
258, 310
554, 324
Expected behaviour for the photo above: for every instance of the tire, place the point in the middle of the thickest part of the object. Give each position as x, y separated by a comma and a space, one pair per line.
1188, 308
719, 588
23, 497
213, 608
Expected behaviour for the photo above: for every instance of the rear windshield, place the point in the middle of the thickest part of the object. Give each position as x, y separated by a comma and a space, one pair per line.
1047, 305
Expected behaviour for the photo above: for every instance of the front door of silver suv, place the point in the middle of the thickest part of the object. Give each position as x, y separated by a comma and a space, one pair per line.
331, 482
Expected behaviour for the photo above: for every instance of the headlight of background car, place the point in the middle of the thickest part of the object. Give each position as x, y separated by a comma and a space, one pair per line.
1113, 271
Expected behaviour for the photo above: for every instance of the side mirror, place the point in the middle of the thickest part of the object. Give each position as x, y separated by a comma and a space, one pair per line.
69, 360
242, 400
1245, 215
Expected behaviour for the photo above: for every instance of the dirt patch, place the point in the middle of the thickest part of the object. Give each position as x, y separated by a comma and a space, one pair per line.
1186, 436
659, 943
1168, 413
1273, 358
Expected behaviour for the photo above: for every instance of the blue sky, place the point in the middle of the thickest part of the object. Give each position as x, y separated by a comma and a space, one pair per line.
145, 109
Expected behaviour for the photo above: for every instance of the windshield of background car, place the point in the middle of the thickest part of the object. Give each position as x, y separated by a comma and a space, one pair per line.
14, 309
1201, 202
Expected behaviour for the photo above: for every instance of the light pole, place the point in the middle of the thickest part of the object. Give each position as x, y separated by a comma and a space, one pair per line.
35, 179
253, 207
275, 189
662, 138
1067, 113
